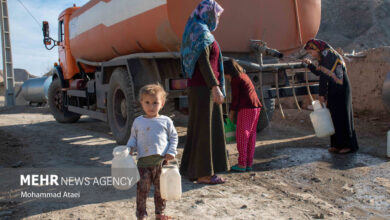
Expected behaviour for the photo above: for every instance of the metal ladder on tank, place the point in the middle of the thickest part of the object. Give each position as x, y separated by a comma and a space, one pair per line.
8, 71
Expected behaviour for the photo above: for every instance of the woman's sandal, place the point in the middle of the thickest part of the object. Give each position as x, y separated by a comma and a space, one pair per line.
213, 181
345, 151
163, 217
236, 168
333, 150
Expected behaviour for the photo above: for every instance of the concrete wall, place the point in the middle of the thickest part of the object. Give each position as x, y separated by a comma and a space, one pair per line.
20, 75
367, 75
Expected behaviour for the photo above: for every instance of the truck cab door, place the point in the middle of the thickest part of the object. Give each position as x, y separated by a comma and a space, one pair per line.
66, 59
61, 46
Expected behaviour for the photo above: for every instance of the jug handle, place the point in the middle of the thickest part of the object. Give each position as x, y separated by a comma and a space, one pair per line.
170, 162
119, 153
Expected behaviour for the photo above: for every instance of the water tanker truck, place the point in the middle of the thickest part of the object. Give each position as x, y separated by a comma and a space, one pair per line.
109, 49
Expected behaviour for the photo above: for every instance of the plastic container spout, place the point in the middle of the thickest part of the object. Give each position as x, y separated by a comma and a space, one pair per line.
316, 105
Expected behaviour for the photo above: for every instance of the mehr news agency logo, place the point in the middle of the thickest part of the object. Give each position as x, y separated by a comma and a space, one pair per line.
54, 180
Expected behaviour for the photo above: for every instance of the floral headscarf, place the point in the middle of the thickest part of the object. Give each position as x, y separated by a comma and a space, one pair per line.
317, 45
331, 63
197, 36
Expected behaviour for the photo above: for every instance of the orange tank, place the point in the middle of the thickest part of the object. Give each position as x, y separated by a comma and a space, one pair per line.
104, 29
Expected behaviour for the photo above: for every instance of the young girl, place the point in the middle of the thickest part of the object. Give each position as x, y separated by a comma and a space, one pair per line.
155, 138
247, 104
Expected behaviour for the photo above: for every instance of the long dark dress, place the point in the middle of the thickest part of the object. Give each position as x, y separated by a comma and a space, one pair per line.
336, 88
205, 150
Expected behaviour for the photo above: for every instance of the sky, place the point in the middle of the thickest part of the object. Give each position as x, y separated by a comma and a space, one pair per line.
28, 51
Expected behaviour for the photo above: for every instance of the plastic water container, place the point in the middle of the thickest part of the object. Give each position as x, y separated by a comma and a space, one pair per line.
123, 169
230, 131
170, 183
321, 120
388, 144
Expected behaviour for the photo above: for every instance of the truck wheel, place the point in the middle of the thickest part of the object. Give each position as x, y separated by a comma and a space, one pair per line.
55, 100
122, 107
265, 117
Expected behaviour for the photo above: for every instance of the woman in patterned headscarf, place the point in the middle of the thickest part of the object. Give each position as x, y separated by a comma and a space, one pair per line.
205, 150
335, 91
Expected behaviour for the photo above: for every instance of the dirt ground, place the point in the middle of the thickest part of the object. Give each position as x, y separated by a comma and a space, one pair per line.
294, 176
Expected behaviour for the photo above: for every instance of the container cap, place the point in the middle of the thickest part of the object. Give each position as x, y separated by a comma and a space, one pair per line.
120, 150
316, 105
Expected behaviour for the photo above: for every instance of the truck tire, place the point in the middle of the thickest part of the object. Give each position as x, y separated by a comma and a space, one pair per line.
122, 107
55, 100
266, 116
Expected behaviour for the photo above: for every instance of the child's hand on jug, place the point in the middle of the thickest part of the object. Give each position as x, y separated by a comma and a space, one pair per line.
131, 151
169, 157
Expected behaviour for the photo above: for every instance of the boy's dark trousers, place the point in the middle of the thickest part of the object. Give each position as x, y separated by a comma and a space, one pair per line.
149, 176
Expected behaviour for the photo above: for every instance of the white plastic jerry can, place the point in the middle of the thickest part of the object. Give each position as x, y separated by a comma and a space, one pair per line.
124, 171
321, 120
170, 183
